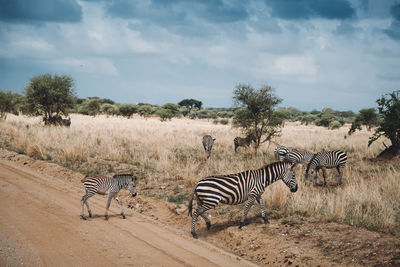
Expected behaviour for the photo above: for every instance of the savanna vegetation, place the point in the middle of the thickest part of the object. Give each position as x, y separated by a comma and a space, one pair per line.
162, 145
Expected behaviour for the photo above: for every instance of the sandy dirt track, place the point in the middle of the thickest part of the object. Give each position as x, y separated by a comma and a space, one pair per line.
40, 226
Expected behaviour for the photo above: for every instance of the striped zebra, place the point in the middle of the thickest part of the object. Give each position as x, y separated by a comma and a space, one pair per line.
327, 160
107, 184
236, 188
292, 155
239, 141
208, 143
281, 151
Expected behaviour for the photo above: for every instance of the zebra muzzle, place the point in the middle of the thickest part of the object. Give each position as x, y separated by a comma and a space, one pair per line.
294, 189
134, 195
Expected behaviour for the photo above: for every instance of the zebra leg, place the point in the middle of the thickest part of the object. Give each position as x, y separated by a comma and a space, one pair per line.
260, 201
340, 170
316, 175
324, 174
120, 206
208, 223
83, 202
249, 203
110, 196
89, 211
198, 212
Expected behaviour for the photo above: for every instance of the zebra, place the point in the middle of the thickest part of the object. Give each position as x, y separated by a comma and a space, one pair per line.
327, 160
236, 188
239, 141
111, 184
208, 143
281, 151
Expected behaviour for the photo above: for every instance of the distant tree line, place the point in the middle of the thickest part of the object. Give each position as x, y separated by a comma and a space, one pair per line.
255, 111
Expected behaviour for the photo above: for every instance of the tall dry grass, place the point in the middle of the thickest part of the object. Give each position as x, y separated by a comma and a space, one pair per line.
170, 158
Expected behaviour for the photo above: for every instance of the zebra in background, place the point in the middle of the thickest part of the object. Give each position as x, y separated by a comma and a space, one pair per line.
208, 143
236, 188
107, 184
327, 160
239, 141
292, 155
281, 151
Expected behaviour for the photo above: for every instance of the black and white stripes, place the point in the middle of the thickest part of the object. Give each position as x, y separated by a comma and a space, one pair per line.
107, 184
327, 160
237, 188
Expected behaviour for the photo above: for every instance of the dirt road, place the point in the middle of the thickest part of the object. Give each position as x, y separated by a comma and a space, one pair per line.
40, 226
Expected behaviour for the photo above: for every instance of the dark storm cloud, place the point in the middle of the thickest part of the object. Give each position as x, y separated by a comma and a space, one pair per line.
394, 30
28, 11
178, 11
306, 9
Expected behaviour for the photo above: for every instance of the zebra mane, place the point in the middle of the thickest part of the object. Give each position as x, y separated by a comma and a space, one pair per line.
123, 176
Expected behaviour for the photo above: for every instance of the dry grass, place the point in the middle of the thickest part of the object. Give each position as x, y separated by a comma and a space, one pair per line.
170, 158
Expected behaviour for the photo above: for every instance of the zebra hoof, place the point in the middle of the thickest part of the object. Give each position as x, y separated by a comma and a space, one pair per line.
90, 215
123, 216
208, 225
266, 220
83, 218
194, 235
106, 217
241, 225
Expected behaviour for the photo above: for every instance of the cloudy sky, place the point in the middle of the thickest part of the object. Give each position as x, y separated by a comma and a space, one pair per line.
342, 54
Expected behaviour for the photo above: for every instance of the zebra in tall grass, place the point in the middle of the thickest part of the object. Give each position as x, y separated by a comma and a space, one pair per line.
292, 155
208, 143
327, 160
107, 184
236, 188
239, 141
281, 151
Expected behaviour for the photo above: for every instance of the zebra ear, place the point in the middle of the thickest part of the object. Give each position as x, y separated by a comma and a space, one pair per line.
214, 139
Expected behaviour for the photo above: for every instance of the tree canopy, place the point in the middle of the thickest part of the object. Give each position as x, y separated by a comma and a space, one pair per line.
49, 95
256, 113
389, 126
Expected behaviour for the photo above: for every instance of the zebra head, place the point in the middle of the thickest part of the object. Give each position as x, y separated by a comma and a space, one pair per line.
289, 178
280, 152
132, 185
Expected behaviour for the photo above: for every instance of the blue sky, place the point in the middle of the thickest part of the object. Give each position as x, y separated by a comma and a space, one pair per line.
342, 54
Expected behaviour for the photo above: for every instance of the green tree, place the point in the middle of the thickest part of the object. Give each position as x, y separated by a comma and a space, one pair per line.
190, 104
109, 109
6, 104
164, 114
145, 110
389, 126
256, 115
93, 106
367, 117
174, 108
50, 96
127, 110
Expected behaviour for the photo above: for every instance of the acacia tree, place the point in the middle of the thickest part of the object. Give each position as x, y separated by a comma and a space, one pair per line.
389, 126
367, 117
6, 104
190, 104
50, 96
256, 113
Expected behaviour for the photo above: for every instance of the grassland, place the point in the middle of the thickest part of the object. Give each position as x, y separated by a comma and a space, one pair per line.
169, 159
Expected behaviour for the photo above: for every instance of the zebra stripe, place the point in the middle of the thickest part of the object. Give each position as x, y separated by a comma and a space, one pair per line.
298, 157
281, 151
107, 184
327, 160
236, 188
208, 143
